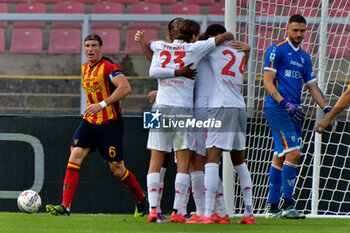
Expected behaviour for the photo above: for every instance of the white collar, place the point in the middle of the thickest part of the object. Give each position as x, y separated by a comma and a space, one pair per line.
177, 41
291, 45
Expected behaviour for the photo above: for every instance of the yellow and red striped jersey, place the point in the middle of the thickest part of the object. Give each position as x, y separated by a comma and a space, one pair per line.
97, 84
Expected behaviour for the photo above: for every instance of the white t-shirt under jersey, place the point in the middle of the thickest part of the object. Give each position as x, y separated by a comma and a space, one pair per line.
228, 69
177, 91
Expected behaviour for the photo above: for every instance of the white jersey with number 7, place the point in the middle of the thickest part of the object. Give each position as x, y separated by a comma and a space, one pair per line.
228, 68
177, 91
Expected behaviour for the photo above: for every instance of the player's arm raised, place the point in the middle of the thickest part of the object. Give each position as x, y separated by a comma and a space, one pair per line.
139, 38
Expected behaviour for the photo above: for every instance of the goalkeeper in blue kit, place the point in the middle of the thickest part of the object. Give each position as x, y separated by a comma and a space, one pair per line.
286, 68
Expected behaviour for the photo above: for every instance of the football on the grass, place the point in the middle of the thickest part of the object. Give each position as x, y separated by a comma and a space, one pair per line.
29, 201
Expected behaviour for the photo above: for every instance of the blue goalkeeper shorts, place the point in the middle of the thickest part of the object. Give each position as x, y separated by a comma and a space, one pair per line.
286, 133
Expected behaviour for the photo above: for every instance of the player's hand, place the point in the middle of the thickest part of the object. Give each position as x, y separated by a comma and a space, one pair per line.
334, 121
186, 72
139, 36
293, 110
92, 109
152, 96
322, 125
241, 46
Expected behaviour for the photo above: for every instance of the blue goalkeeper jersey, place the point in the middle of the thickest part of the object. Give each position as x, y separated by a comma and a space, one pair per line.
292, 67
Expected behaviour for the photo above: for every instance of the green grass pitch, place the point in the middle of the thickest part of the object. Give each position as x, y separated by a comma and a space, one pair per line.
108, 223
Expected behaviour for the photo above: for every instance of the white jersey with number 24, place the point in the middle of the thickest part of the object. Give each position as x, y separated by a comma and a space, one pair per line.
228, 69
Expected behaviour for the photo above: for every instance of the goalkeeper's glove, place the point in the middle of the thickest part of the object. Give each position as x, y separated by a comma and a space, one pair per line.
293, 110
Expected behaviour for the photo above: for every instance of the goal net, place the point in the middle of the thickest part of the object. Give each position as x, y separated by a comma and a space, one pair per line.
323, 175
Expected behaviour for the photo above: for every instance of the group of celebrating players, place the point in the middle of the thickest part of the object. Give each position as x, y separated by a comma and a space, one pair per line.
199, 76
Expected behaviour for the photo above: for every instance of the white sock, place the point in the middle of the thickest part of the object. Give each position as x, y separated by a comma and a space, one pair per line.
160, 192
187, 196
220, 201
246, 187
198, 191
211, 179
153, 189
181, 187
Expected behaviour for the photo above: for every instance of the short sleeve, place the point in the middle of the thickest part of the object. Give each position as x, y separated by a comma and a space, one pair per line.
272, 58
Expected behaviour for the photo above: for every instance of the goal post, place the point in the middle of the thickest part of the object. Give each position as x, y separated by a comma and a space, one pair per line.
323, 183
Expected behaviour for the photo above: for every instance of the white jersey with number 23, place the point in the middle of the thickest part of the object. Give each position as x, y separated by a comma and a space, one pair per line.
177, 91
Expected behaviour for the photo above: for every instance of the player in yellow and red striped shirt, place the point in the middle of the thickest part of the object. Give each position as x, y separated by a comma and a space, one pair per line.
102, 127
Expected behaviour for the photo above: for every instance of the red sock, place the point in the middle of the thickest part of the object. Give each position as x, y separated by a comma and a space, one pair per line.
131, 183
70, 183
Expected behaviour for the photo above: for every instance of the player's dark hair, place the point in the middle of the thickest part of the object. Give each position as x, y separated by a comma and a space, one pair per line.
203, 36
297, 19
171, 26
94, 37
215, 29
187, 29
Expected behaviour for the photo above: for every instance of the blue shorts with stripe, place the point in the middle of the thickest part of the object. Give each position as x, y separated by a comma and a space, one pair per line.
286, 133
107, 138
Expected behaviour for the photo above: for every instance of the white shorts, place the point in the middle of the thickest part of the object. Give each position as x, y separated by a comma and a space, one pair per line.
232, 134
171, 138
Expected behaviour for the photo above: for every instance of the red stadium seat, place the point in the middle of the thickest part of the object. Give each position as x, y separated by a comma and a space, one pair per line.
279, 2
264, 39
2, 40
107, 8
265, 9
309, 3
165, 2
3, 9
243, 3
47, 1
68, 8
13, 1
30, 8
86, 1
131, 46
201, 2
306, 12
65, 41
308, 43
185, 9
111, 40
145, 8
338, 43
219, 9
124, 1
340, 8
26, 40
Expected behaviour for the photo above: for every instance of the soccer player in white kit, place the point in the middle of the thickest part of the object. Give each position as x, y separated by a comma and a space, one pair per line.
186, 72
226, 103
175, 97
